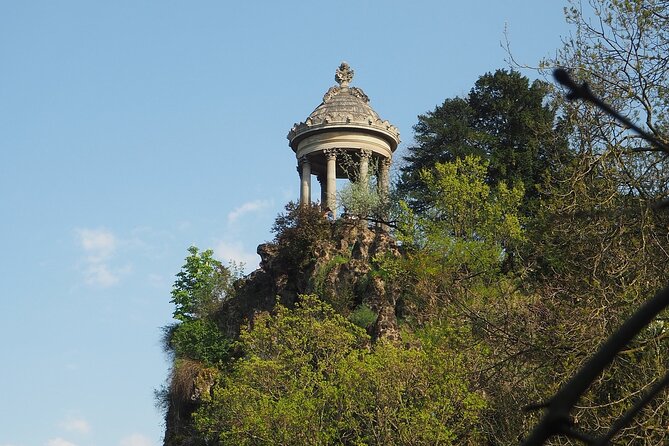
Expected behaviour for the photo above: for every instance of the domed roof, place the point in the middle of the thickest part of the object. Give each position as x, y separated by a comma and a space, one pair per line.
344, 108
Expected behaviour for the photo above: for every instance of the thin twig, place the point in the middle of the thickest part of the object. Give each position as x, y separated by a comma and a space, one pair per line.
583, 92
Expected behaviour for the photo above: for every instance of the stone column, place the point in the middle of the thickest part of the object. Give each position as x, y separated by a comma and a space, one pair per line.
384, 178
331, 180
305, 181
324, 199
363, 173
383, 185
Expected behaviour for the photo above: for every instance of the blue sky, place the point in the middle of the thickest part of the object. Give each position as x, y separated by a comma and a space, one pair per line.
131, 129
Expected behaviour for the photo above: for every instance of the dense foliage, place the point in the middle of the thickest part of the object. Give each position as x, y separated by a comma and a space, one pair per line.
308, 376
504, 120
296, 231
527, 234
200, 286
601, 248
195, 342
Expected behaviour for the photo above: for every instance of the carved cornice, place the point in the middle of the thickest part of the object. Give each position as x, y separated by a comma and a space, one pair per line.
345, 120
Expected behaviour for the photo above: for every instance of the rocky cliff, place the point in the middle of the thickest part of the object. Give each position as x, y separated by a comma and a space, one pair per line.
333, 259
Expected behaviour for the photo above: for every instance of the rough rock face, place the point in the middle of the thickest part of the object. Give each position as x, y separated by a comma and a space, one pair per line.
189, 384
340, 270
386, 324
343, 275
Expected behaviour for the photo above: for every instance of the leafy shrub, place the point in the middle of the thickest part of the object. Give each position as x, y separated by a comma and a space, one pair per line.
297, 231
308, 376
363, 316
201, 285
362, 200
200, 340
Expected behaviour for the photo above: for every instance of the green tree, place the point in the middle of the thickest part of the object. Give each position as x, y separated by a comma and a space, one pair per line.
464, 206
296, 231
458, 250
201, 285
600, 248
308, 376
505, 120
362, 200
199, 340
470, 227
196, 344
619, 48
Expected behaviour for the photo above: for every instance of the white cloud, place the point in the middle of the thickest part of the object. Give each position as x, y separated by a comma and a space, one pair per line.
59, 442
99, 246
76, 424
136, 440
100, 274
234, 251
246, 208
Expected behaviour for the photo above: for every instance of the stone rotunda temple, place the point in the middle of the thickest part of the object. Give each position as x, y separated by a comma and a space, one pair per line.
342, 138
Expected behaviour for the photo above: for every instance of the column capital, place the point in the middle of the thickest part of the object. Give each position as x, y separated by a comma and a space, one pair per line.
330, 153
303, 159
365, 153
386, 161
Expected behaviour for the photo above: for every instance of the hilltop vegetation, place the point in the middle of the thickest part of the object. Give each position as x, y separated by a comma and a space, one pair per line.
523, 232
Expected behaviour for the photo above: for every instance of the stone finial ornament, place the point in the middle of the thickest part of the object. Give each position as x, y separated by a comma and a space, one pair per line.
344, 74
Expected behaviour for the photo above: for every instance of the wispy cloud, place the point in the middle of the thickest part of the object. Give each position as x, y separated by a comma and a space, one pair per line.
247, 208
136, 440
99, 247
235, 252
100, 274
75, 424
59, 442
99, 244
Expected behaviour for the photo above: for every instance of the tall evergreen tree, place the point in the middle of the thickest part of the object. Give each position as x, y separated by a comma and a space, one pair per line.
505, 120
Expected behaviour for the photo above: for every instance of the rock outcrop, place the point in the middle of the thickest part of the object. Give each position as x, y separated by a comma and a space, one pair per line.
340, 271
339, 268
